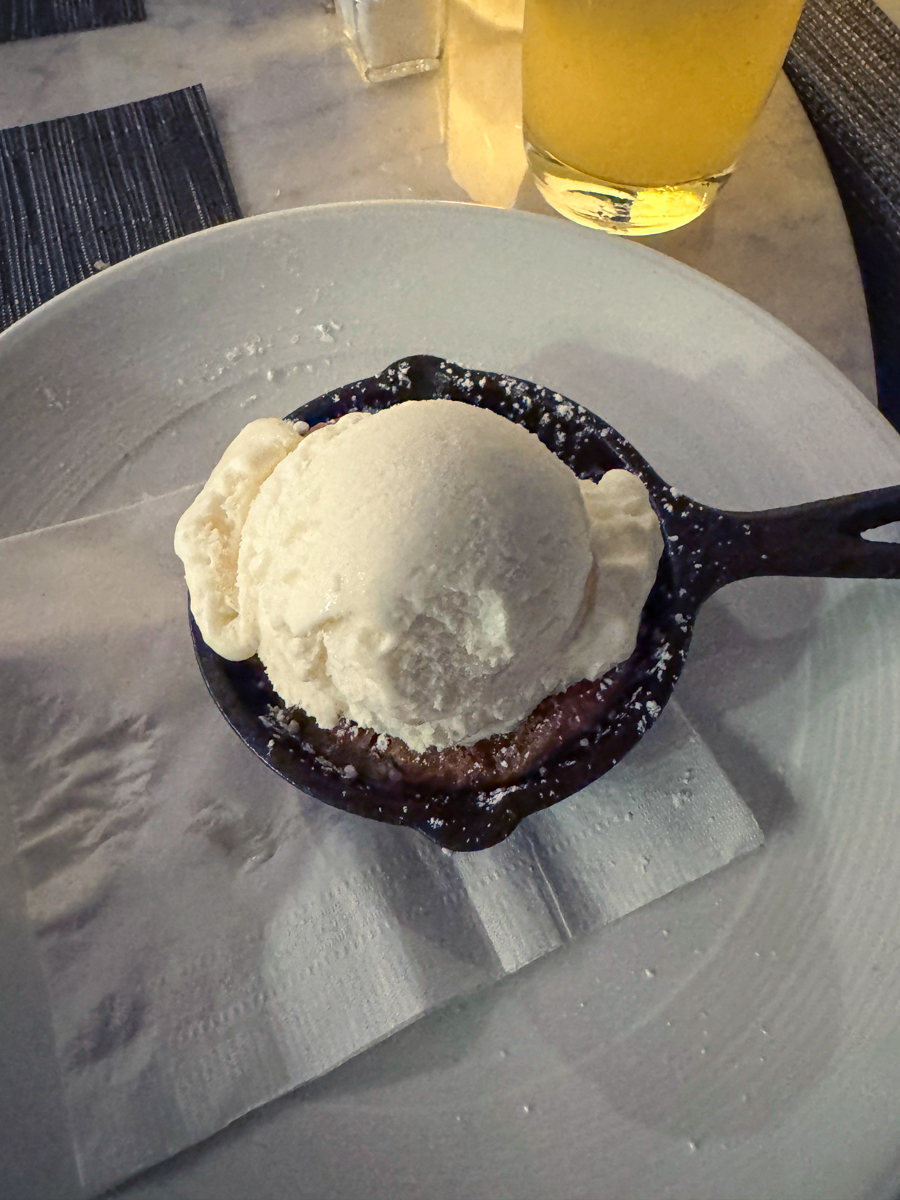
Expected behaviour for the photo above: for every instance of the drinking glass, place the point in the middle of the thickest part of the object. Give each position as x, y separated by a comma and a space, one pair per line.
635, 110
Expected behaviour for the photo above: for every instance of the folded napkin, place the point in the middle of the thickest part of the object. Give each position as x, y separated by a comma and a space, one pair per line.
37, 18
211, 937
80, 193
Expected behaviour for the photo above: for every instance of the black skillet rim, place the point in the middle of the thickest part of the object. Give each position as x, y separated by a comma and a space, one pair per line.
637, 690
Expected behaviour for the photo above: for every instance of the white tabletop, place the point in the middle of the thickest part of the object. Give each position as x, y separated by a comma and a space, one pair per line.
300, 127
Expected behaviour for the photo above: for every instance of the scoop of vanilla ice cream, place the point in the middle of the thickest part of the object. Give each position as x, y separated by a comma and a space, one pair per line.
208, 535
431, 571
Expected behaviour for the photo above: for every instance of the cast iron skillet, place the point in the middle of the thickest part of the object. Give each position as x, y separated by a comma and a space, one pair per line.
597, 723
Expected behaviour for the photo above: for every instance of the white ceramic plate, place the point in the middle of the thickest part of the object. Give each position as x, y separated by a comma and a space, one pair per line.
739, 1038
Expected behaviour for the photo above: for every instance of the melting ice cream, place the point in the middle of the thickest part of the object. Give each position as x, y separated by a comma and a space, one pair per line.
431, 571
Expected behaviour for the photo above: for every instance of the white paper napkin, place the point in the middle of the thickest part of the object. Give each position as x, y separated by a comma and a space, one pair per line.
211, 937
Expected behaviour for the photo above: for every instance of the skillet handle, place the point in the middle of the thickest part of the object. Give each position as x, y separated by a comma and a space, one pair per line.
820, 539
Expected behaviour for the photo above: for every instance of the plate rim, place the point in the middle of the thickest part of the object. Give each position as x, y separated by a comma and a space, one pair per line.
126, 271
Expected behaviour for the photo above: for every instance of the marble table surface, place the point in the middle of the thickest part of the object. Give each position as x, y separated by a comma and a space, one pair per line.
299, 127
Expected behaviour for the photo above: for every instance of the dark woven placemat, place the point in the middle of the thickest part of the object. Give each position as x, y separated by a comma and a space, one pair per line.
37, 18
844, 64
80, 193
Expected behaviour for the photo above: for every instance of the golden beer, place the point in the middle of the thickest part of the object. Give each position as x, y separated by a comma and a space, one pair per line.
635, 110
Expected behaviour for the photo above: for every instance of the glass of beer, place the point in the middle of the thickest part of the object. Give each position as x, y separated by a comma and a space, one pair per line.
635, 110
